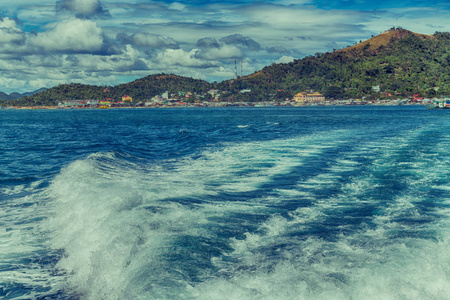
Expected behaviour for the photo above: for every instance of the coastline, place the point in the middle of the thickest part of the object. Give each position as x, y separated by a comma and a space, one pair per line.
350, 102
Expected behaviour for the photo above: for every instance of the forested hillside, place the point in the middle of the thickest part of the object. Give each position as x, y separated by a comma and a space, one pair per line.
400, 62
140, 89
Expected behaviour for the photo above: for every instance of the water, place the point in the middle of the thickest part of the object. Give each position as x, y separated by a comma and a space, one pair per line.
226, 203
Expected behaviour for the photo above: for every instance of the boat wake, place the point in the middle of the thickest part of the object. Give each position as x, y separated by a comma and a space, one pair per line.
324, 216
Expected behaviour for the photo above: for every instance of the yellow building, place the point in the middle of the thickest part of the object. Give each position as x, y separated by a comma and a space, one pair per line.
127, 98
305, 97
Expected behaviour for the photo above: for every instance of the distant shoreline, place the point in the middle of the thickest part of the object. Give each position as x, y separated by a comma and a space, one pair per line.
257, 105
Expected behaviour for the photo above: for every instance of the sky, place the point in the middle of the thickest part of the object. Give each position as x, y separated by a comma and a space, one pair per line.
44, 43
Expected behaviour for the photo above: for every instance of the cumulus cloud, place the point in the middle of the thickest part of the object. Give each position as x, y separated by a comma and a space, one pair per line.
130, 59
223, 52
238, 39
208, 42
229, 47
47, 70
285, 59
73, 35
82, 8
9, 33
148, 40
183, 58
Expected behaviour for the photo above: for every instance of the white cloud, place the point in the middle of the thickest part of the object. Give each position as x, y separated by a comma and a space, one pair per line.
143, 39
285, 60
130, 59
9, 33
243, 41
224, 52
48, 61
73, 35
36, 71
177, 6
180, 57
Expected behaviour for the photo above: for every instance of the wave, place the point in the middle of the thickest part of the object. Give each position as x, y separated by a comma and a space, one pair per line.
323, 216
27, 266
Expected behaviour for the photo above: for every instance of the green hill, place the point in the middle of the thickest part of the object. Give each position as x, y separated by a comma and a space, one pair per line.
141, 89
153, 85
400, 62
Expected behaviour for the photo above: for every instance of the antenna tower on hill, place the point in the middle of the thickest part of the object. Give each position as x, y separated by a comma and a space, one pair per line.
241, 67
235, 69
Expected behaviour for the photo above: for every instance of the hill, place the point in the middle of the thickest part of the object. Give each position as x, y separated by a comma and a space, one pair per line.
393, 64
153, 85
385, 38
141, 89
396, 63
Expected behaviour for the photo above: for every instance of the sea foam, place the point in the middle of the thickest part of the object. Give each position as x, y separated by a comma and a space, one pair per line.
259, 220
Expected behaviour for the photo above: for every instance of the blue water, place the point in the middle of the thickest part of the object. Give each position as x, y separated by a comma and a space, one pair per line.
225, 203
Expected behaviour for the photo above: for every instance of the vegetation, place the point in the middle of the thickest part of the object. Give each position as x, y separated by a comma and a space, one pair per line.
153, 85
142, 89
398, 63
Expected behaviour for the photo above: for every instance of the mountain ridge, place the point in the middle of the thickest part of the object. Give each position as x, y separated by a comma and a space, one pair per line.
16, 95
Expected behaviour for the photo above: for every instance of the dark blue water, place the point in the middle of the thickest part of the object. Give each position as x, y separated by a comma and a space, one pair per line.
226, 203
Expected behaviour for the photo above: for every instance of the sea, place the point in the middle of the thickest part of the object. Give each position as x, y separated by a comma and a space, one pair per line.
225, 203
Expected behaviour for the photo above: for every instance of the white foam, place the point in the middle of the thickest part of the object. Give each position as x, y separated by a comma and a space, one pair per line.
316, 269
22, 245
119, 223
365, 265
110, 228
113, 217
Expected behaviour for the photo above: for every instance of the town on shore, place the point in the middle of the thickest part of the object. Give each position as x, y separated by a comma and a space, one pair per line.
189, 99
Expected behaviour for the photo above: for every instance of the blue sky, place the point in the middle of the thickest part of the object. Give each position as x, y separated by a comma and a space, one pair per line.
107, 42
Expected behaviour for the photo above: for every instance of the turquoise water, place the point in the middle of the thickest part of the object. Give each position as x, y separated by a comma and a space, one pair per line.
226, 203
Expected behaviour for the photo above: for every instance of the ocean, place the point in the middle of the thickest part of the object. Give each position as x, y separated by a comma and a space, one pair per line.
225, 203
